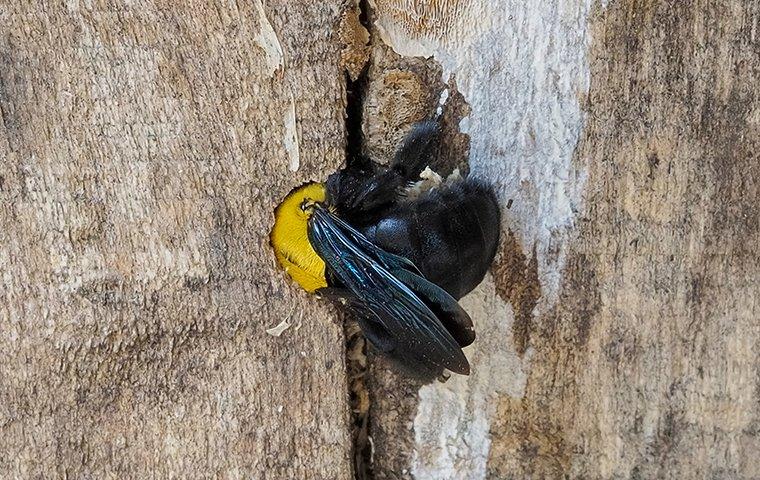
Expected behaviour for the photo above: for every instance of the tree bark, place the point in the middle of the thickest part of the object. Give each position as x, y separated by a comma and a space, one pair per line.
618, 333
144, 147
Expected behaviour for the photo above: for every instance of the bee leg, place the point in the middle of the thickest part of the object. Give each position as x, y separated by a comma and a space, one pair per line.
363, 190
340, 295
416, 152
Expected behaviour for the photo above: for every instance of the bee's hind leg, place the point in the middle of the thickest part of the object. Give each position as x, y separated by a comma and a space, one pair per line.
417, 150
359, 195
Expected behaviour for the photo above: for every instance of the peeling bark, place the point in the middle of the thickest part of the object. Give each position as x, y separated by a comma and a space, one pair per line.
631, 303
649, 366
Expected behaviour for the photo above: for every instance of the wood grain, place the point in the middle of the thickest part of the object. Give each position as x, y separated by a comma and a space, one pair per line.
642, 360
144, 147
649, 367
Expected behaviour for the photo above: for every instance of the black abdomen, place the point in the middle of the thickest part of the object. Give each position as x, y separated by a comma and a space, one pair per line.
450, 233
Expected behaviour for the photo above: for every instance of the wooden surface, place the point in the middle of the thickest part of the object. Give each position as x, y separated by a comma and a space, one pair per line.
144, 146
624, 140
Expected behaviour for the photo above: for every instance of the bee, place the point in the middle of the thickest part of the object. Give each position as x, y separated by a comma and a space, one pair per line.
398, 261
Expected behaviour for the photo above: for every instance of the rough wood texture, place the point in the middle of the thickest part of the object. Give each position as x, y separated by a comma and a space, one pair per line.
638, 218
649, 366
144, 146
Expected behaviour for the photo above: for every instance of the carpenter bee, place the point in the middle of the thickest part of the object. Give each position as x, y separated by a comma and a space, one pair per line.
398, 261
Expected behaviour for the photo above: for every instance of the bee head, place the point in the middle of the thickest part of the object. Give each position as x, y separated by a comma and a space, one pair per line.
308, 205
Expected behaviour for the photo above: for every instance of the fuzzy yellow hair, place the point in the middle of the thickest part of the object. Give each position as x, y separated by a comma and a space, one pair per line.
290, 240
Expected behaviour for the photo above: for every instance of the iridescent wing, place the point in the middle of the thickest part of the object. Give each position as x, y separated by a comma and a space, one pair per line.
401, 313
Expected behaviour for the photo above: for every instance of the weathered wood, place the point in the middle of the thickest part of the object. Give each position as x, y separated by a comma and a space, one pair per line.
618, 335
144, 146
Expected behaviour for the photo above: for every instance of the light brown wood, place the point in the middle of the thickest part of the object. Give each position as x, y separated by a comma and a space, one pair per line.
143, 148
649, 367
643, 361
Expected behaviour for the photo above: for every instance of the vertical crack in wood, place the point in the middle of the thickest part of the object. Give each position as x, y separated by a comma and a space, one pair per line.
355, 92
356, 346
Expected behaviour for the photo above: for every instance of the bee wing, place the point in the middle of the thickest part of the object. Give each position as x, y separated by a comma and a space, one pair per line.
372, 328
386, 259
408, 326
446, 308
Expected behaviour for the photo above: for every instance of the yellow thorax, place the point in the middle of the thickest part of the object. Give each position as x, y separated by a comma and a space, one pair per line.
290, 240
